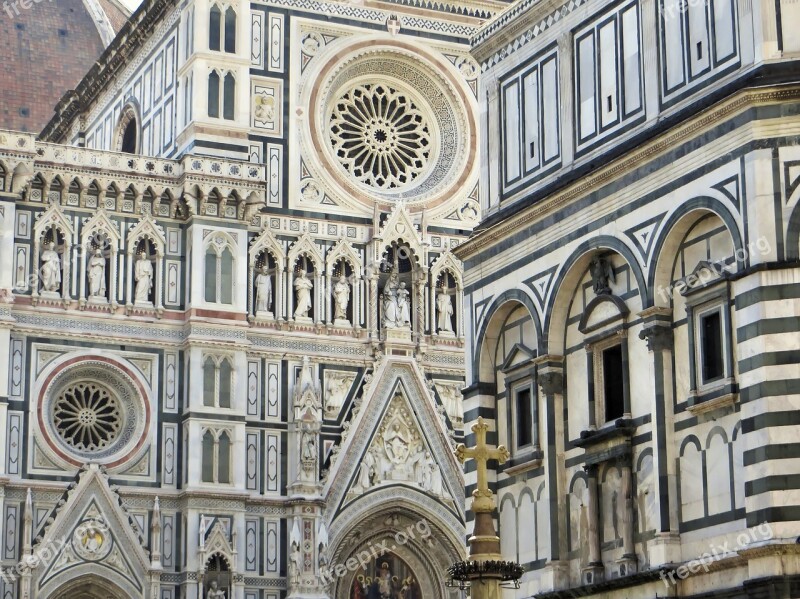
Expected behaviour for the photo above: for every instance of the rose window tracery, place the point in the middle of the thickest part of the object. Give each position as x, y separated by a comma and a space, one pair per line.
380, 136
93, 409
87, 416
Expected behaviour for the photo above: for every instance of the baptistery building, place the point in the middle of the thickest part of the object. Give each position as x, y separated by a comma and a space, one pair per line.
631, 295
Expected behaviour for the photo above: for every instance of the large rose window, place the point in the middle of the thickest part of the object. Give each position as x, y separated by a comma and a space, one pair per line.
87, 416
387, 122
380, 136
93, 410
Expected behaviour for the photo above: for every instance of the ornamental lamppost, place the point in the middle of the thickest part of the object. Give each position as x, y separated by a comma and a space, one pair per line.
485, 571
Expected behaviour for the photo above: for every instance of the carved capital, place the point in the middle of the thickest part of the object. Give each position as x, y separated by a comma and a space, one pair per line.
658, 337
551, 382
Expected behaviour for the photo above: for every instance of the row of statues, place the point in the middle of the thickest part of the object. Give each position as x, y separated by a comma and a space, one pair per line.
396, 304
50, 273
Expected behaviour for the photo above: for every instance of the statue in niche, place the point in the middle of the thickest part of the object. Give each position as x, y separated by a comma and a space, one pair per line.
444, 306
403, 311
263, 290
202, 531
341, 296
302, 286
309, 447
214, 592
390, 305
295, 564
97, 275
51, 268
602, 275
143, 274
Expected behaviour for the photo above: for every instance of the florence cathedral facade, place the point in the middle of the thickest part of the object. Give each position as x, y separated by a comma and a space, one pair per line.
231, 312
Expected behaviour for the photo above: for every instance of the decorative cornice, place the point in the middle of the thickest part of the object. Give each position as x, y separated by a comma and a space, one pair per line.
585, 185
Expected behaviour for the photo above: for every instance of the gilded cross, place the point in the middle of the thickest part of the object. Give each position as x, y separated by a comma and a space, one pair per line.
481, 453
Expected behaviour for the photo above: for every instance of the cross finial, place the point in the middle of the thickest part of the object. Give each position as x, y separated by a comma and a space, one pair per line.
481, 453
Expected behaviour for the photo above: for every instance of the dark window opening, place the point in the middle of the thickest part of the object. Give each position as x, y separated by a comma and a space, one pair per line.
228, 100
612, 383
214, 24
524, 419
711, 347
230, 31
699, 50
129, 138
213, 95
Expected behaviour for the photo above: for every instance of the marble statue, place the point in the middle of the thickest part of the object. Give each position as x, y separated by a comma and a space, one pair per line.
263, 291
403, 310
302, 287
51, 268
143, 274
390, 302
97, 274
202, 531
602, 275
341, 296
396, 444
214, 592
366, 471
444, 307
295, 564
309, 450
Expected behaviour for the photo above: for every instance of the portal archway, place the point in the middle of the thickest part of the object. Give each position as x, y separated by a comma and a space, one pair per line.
89, 587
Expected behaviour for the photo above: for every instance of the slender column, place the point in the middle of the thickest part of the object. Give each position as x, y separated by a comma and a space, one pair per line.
657, 332
628, 561
372, 313
594, 571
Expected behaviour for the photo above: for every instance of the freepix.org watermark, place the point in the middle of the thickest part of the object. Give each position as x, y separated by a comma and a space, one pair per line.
418, 530
762, 532
11, 7
715, 269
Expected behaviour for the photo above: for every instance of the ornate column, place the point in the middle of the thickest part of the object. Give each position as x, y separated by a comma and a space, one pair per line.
657, 333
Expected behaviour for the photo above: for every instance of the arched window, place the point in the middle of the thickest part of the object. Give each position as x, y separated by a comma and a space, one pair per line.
230, 31
209, 382
219, 279
225, 374
129, 138
225, 97
217, 382
224, 459
213, 95
216, 467
222, 35
208, 457
229, 99
214, 24
126, 138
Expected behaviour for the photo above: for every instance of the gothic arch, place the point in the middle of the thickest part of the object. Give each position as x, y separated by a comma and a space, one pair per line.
672, 233
395, 514
91, 585
568, 277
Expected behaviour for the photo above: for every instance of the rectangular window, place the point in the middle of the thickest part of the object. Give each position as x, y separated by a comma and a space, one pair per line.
613, 389
696, 39
608, 73
529, 114
524, 418
211, 277
711, 358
